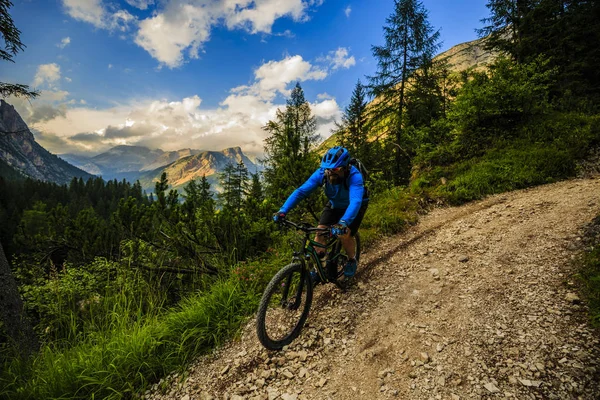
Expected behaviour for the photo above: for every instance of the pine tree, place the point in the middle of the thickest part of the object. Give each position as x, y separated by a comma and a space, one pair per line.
354, 124
234, 180
255, 198
160, 188
410, 43
206, 201
12, 45
507, 26
565, 32
427, 97
289, 149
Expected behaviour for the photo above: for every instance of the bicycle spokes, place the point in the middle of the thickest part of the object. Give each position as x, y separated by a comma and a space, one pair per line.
286, 304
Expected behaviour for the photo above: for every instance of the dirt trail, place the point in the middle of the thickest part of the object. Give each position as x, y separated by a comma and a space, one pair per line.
473, 302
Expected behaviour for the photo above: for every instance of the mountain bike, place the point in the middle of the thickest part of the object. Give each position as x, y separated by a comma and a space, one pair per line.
286, 301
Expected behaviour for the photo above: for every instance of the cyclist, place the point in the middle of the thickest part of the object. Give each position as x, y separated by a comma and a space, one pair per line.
348, 200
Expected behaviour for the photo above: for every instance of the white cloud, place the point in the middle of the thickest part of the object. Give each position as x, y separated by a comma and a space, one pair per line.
347, 11
95, 13
47, 74
141, 4
324, 96
90, 11
339, 59
274, 76
68, 79
326, 109
110, 66
259, 16
183, 26
64, 42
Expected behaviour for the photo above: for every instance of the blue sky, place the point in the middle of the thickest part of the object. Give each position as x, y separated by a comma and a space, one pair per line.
204, 74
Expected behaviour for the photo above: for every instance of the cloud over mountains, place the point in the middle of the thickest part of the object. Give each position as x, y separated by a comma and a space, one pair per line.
64, 125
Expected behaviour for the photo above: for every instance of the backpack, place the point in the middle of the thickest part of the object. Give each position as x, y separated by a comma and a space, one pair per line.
363, 171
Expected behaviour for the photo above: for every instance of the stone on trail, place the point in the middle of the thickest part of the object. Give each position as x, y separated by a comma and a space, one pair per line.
572, 298
491, 387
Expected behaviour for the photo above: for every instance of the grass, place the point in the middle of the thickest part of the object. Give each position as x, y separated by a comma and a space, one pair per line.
589, 273
500, 170
126, 359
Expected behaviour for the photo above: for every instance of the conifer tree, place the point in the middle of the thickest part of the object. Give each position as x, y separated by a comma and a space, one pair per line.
410, 42
289, 149
12, 45
160, 188
354, 124
255, 198
205, 198
507, 26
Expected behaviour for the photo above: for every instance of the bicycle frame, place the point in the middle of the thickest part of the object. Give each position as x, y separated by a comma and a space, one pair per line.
309, 252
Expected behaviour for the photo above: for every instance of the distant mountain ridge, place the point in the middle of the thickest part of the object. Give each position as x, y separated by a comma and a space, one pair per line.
20, 151
141, 163
206, 163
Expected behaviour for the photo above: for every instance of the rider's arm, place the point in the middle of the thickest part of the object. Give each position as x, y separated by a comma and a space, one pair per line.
356, 189
315, 180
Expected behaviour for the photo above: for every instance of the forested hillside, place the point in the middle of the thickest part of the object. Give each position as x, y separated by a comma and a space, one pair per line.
122, 289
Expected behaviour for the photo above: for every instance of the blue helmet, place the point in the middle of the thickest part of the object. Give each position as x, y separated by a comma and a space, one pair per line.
335, 157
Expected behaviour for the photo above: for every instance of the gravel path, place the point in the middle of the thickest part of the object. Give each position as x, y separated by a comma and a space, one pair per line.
475, 302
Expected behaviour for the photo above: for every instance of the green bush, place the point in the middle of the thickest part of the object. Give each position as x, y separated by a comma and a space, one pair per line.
589, 274
390, 212
504, 170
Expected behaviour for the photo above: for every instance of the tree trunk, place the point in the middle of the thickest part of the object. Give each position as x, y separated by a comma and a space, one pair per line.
17, 326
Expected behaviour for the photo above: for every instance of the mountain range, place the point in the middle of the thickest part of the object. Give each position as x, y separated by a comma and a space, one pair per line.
141, 163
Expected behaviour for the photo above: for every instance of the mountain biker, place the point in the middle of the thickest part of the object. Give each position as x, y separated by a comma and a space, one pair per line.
344, 187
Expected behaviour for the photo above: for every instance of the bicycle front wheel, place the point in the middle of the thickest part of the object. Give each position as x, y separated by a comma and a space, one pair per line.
284, 307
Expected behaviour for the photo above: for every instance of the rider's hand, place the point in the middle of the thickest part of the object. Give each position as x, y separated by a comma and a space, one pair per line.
279, 216
340, 229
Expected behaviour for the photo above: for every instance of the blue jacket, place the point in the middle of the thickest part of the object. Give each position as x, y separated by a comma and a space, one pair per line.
340, 197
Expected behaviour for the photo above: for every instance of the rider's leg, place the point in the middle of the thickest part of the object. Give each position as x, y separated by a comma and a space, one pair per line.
322, 239
349, 244
329, 216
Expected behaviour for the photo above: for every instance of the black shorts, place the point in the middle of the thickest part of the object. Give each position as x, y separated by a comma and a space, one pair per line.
331, 216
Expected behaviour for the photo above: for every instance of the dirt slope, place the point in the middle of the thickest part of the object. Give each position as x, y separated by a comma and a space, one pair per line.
474, 302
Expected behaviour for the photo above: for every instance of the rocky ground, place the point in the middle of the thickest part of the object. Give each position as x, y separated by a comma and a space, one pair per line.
475, 302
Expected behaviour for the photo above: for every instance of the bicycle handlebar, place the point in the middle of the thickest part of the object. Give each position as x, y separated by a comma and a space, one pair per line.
304, 227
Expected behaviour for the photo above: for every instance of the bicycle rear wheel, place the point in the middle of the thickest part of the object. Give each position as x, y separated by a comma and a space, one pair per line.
284, 307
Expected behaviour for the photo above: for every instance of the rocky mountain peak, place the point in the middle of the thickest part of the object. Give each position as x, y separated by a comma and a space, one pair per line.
11, 122
20, 151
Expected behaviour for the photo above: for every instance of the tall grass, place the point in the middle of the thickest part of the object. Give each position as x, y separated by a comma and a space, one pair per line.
126, 357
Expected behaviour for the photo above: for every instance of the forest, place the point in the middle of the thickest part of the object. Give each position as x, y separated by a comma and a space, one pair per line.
120, 287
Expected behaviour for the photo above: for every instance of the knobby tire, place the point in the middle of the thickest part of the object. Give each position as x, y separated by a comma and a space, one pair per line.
279, 302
